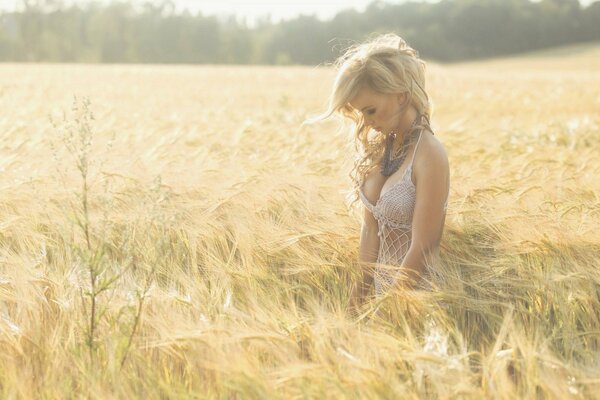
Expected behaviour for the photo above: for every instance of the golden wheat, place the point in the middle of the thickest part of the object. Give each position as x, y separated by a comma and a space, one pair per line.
224, 243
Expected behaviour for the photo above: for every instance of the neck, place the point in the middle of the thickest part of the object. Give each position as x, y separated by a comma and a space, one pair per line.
404, 126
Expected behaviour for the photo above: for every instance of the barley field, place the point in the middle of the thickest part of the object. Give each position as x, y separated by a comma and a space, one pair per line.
174, 232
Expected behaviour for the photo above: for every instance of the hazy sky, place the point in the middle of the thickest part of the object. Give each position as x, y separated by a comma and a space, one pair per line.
251, 9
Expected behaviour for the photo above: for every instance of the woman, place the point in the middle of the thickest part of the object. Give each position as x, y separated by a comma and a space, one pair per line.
402, 175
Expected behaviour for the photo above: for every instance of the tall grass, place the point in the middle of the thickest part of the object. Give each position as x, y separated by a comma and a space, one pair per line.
190, 241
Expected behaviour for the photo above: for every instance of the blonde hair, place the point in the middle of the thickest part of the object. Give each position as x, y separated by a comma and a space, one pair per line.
385, 64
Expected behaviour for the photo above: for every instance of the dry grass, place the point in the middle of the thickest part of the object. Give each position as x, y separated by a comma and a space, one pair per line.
232, 246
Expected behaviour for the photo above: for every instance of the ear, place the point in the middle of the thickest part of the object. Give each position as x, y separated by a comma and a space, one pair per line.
401, 98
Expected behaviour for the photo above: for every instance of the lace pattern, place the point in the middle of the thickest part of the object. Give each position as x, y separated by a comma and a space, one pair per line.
393, 212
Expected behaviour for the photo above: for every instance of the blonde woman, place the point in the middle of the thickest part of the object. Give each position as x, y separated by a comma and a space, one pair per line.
401, 174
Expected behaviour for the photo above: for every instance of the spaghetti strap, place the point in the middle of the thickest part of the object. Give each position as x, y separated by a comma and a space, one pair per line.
415, 151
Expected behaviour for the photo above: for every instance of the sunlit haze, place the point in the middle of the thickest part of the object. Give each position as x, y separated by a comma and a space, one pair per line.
252, 10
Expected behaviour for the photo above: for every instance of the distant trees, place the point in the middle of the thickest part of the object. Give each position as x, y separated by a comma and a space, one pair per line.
451, 30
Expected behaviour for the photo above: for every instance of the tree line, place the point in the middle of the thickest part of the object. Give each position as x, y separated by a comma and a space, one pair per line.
153, 32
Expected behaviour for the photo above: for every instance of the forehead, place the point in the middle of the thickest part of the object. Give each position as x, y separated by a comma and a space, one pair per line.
365, 97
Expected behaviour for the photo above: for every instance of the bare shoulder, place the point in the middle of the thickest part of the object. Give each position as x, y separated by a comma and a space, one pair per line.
431, 159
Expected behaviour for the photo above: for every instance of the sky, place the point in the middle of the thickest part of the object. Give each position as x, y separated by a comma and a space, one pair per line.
252, 9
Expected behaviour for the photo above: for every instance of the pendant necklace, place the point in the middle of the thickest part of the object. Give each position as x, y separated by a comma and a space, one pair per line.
390, 165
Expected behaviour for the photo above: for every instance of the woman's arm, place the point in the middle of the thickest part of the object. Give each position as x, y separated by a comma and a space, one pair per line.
432, 177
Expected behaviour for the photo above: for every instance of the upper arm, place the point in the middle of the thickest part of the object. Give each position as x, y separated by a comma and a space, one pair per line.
432, 176
369, 221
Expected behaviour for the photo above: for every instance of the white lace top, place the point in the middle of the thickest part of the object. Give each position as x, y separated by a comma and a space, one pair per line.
394, 212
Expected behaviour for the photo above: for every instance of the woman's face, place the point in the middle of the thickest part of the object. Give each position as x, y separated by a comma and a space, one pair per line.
381, 111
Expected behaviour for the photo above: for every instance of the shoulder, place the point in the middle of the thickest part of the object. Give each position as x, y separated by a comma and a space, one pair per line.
431, 159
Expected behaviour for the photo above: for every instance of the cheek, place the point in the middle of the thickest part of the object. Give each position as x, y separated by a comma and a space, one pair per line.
384, 115
391, 114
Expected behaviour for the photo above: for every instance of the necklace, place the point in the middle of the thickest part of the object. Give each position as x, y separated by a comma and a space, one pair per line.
390, 165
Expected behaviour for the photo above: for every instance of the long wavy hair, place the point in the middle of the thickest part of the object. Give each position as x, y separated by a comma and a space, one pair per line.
386, 64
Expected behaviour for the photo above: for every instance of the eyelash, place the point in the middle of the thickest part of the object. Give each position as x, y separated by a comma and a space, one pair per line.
371, 111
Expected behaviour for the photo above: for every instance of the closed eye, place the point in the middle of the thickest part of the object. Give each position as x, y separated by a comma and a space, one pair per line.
371, 111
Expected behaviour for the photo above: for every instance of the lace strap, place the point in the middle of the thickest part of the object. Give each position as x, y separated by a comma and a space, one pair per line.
415, 151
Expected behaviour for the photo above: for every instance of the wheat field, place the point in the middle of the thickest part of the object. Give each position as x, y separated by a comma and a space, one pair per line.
174, 232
